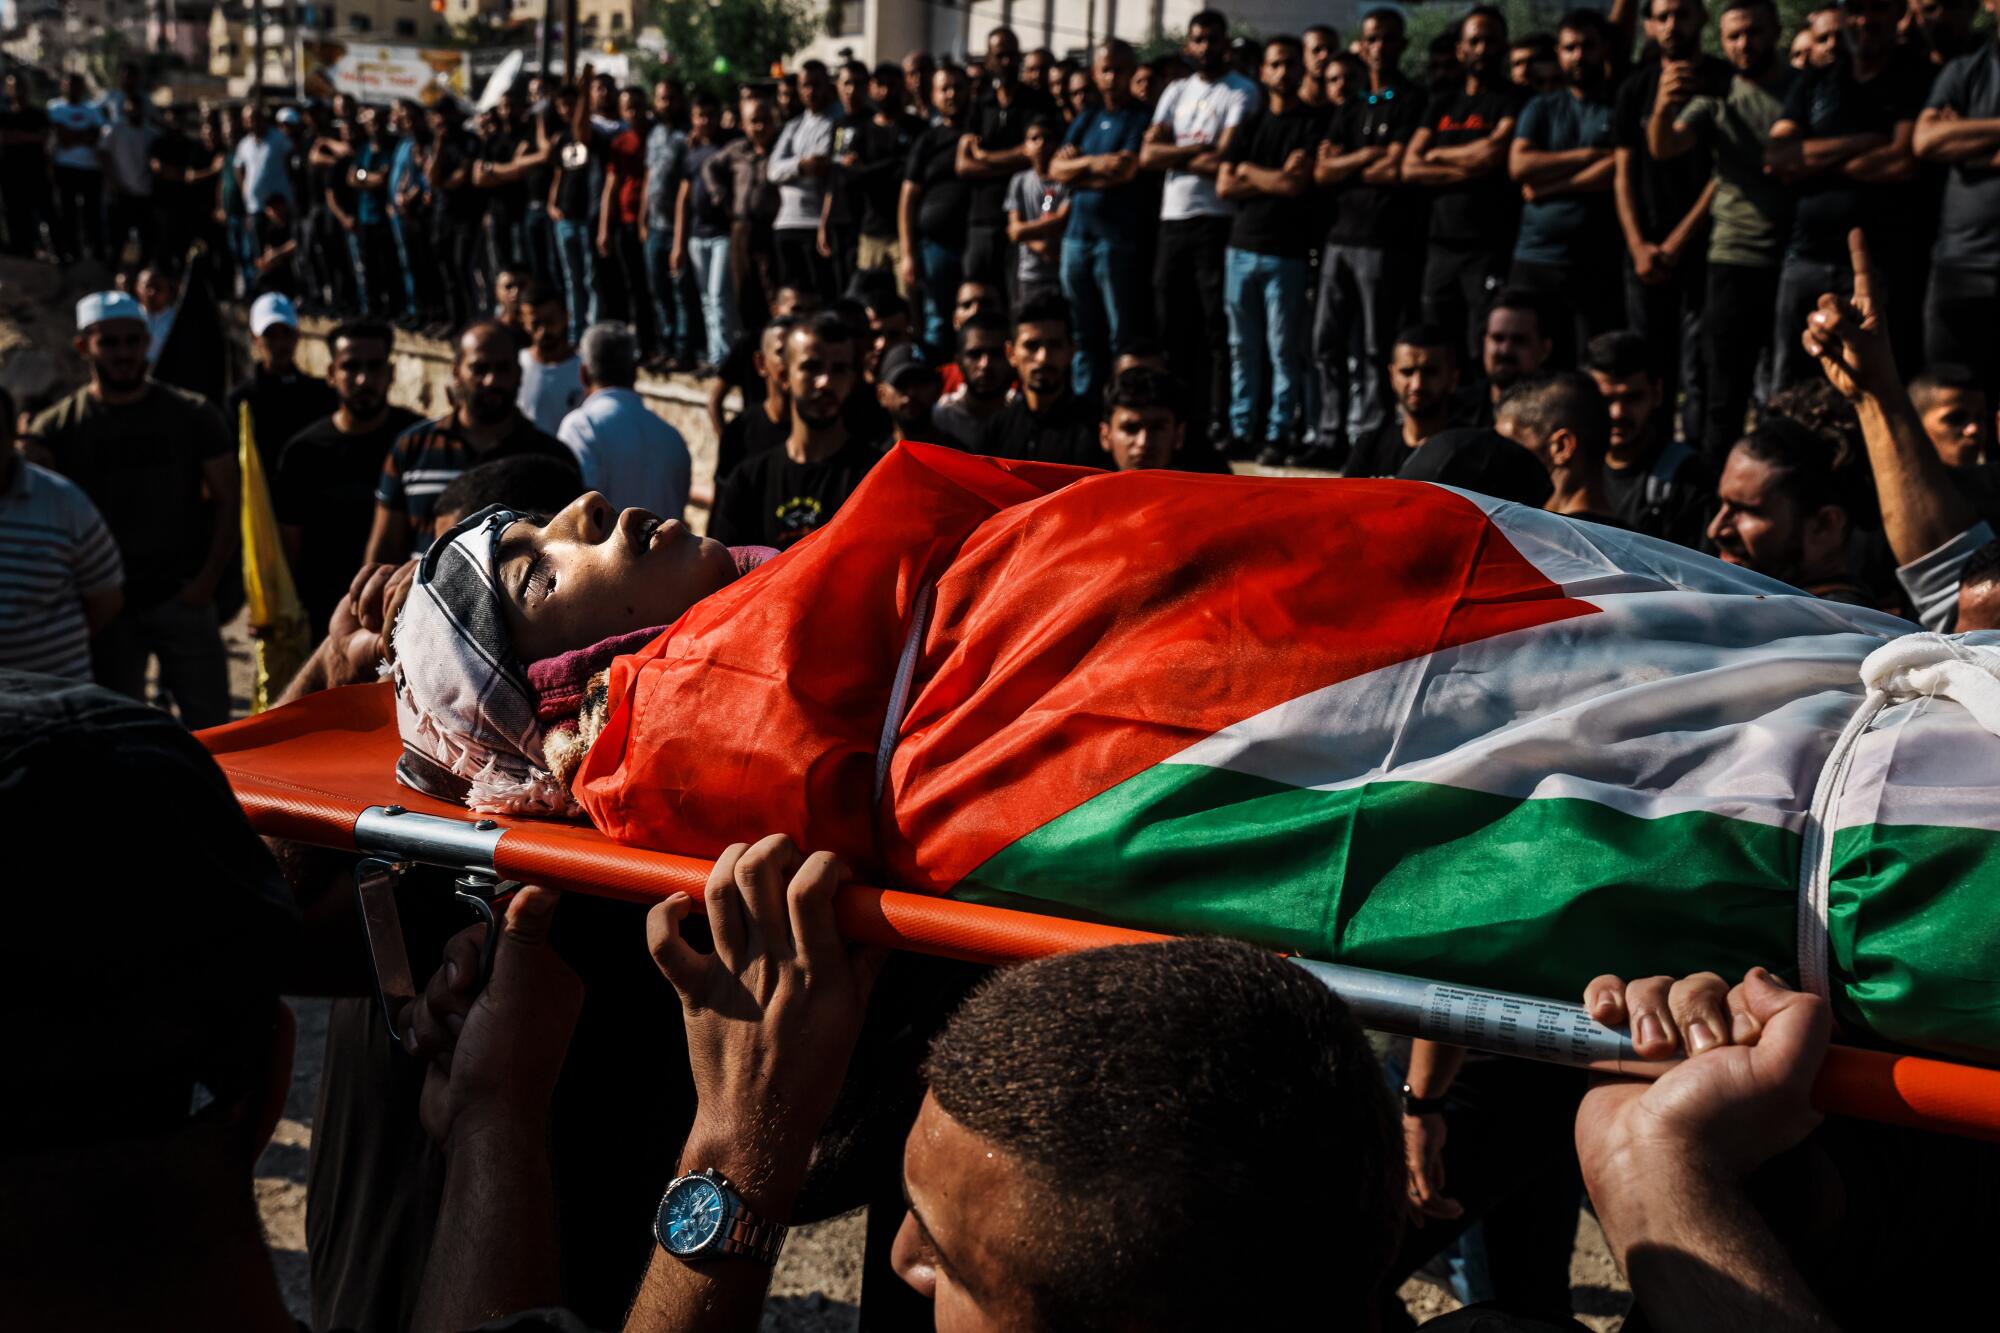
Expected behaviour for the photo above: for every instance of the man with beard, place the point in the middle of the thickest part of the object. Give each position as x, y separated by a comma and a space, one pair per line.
802, 167
324, 484
1458, 155
157, 463
1663, 206
1782, 512
777, 497
483, 425
1653, 483
985, 376
1046, 422
1943, 29
1423, 379
907, 387
1562, 159
766, 419
1516, 345
1192, 124
283, 400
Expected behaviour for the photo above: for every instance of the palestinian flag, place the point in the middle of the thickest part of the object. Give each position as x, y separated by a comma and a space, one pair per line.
1376, 722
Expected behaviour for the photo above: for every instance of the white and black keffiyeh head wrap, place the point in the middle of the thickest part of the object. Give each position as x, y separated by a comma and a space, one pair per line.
463, 706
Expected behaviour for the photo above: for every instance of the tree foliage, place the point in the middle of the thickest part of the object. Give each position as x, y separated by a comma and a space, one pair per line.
717, 44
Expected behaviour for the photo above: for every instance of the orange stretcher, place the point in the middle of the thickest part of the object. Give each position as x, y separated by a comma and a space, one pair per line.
321, 771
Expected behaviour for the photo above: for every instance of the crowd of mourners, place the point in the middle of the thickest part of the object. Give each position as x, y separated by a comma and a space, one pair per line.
1745, 304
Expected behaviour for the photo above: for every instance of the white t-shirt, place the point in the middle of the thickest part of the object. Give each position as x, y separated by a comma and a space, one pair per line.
1199, 111
77, 116
549, 393
637, 460
265, 173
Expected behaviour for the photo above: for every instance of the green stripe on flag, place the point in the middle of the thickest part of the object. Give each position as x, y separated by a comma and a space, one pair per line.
1532, 895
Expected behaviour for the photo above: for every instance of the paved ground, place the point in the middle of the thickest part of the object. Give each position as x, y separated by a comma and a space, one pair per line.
819, 1279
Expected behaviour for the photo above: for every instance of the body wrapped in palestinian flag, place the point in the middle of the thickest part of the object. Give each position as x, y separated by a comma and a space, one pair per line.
1381, 723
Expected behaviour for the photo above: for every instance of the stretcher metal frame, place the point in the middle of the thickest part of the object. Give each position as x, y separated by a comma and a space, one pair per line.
314, 772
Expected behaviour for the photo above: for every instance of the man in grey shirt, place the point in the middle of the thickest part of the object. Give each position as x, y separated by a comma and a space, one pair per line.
801, 167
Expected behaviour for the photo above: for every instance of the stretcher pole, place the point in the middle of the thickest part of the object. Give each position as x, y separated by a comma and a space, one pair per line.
1912, 1091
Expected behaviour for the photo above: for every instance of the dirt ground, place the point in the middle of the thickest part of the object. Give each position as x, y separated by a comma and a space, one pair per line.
818, 1281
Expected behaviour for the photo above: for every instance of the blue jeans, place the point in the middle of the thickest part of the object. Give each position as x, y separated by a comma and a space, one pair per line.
708, 256
1266, 296
674, 303
576, 255
409, 269
1101, 278
942, 270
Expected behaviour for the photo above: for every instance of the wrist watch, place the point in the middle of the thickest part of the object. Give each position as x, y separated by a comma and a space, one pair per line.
1415, 1105
702, 1216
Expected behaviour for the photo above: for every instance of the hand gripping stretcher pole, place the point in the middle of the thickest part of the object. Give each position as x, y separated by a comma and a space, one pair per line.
320, 772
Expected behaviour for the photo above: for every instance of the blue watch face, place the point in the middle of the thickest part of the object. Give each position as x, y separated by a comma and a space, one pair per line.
690, 1216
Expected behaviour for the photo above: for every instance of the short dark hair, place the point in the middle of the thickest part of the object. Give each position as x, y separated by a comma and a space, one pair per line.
825, 326
1565, 400
1141, 389
1519, 298
540, 291
1427, 335
706, 100
1581, 20
1803, 458
1541, 43
1620, 354
361, 330
1389, 16
1209, 18
885, 303
1326, 30
986, 321
1286, 40
1044, 308
1149, 1085
1940, 376
526, 483
1730, 6
1048, 123
1484, 12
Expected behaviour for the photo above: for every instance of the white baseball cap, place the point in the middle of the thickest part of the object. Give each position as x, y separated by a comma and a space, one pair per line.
272, 308
100, 306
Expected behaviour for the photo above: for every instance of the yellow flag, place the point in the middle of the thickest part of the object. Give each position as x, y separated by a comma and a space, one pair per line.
277, 616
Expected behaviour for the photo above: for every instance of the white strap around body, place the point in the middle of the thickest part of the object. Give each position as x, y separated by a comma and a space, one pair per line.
1915, 666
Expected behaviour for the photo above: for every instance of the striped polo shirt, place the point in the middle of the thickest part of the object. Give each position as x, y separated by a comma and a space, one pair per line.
430, 455
54, 552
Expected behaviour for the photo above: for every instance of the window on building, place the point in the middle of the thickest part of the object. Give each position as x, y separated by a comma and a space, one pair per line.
844, 18
617, 21
358, 22
406, 27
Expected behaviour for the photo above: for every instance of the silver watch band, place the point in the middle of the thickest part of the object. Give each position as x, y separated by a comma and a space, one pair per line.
753, 1238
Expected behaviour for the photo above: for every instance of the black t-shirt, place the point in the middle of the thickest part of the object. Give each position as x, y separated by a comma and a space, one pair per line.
1274, 224
1375, 215
573, 195
877, 183
464, 202
1831, 103
1671, 496
141, 464
942, 211
508, 201
747, 434
1380, 454
1000, 128
280, 407
31, 157
1663, 190
540, 178
325, 484
1065, 433
1478, 214
772, 500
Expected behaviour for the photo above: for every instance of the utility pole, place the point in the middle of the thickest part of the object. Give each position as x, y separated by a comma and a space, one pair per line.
257, 54
548, 36
298, 50
569, 44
